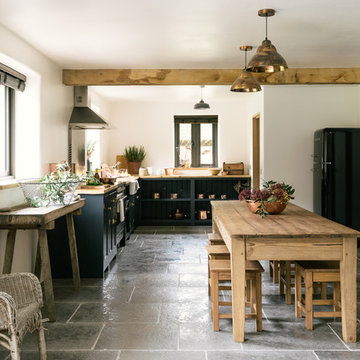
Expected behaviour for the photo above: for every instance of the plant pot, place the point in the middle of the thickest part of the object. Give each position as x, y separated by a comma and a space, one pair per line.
133, 167
271, 207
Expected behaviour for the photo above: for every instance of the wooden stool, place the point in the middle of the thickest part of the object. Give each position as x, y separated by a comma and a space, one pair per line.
215, 239
320, 272
286, 274
220, 270
217, 252
274, 270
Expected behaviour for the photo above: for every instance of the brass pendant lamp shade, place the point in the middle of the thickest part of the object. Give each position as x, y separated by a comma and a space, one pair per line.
201, 105
267, 59
245, 82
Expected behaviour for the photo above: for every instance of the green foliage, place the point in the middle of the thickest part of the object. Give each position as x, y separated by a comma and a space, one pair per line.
135, 153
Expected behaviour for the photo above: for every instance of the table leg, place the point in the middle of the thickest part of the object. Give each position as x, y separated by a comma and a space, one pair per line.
9, 251
348, 289
238, 288
73, 250
46, 274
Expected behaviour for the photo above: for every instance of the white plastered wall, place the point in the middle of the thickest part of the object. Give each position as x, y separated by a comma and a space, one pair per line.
42, 113
291, 115
151, 124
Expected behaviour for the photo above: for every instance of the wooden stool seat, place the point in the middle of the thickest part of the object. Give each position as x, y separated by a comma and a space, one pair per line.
319, 272
215, 239
221, 270
219, 252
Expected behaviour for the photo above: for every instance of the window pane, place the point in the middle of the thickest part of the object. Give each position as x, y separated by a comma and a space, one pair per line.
206, 146
3, 135
185, 143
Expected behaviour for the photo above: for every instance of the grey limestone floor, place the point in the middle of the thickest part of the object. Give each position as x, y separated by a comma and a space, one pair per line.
153, 305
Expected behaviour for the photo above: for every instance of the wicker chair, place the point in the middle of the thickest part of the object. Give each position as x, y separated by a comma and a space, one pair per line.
20, 304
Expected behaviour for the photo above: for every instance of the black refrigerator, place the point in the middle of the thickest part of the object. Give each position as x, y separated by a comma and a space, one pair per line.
337, 175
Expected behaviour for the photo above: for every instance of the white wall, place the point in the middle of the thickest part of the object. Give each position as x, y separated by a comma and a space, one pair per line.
291, 115
151, 124
42, 113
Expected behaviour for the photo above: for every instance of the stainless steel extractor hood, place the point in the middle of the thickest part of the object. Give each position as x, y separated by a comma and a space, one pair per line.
82, 116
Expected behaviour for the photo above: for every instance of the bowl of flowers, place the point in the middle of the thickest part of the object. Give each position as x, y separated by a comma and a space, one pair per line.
270, 200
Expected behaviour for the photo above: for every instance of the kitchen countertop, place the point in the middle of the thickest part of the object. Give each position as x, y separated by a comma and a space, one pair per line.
194, 176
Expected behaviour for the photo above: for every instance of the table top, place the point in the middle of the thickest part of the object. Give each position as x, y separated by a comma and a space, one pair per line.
293, 222
37, 217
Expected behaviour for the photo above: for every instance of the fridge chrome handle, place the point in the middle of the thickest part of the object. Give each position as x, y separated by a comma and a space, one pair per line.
326, 162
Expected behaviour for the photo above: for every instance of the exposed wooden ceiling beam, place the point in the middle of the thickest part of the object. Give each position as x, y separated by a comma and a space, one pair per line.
207, 76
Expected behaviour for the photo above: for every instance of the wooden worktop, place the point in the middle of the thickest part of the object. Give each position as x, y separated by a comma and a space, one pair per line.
194, 176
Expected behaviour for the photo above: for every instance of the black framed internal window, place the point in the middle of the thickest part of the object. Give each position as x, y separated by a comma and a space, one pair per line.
196, 141
6, 101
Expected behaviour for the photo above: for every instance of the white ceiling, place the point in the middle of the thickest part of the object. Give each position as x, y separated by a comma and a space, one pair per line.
184, 33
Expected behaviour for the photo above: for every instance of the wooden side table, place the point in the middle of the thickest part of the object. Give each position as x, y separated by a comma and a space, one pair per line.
42, 219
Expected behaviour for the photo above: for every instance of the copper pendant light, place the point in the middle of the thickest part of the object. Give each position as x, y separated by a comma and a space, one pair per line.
267, 59
201, 105
245, 82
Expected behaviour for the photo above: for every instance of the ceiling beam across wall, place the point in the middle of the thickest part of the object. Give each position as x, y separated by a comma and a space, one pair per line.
207, 76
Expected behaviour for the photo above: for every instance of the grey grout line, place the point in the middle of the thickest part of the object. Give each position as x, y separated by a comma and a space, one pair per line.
131, 295
341, 340
315, 355
98, 337
67, 321
118, 355
263, 312
206, 355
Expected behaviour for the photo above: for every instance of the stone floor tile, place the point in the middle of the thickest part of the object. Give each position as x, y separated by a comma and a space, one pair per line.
117, 312
261, 355
290, 336
200, 336
337, 328
337, 355
189, 268
72, 355
65, 336
193, 280
94, 294
64, 311
159, 294
139, 336
162, 355
186, 312
177, 259
165, 279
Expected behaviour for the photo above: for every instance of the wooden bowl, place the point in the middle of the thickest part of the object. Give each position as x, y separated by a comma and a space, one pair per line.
214, 171
272, 207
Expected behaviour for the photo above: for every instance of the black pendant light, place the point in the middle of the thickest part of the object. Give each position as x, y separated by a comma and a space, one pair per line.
245, 82
201, 105
267, 59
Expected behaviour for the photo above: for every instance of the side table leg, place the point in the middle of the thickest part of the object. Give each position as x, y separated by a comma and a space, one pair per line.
73, 250
46, 274
9, 251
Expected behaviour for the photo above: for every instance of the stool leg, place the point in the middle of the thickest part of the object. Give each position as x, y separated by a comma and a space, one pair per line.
288, 282
258, 302
323, 291
298, 312
308, 300
215, 299
247, 291
276, 271
281, 273
337, 296
209, 287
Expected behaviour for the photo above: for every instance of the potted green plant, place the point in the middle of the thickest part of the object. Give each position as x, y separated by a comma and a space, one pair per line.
134, 155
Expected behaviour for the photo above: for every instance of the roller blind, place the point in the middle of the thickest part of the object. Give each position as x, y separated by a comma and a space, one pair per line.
12, 78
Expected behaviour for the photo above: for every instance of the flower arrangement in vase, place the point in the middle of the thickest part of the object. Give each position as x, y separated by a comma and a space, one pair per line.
272, 199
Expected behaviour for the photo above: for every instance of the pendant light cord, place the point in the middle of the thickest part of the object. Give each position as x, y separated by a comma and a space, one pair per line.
245, 59
266, 27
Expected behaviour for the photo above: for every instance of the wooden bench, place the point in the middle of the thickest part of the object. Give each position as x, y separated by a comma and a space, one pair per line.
220, 270
316, 272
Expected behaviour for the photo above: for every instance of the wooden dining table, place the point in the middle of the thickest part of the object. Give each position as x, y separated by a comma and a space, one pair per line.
295, 234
